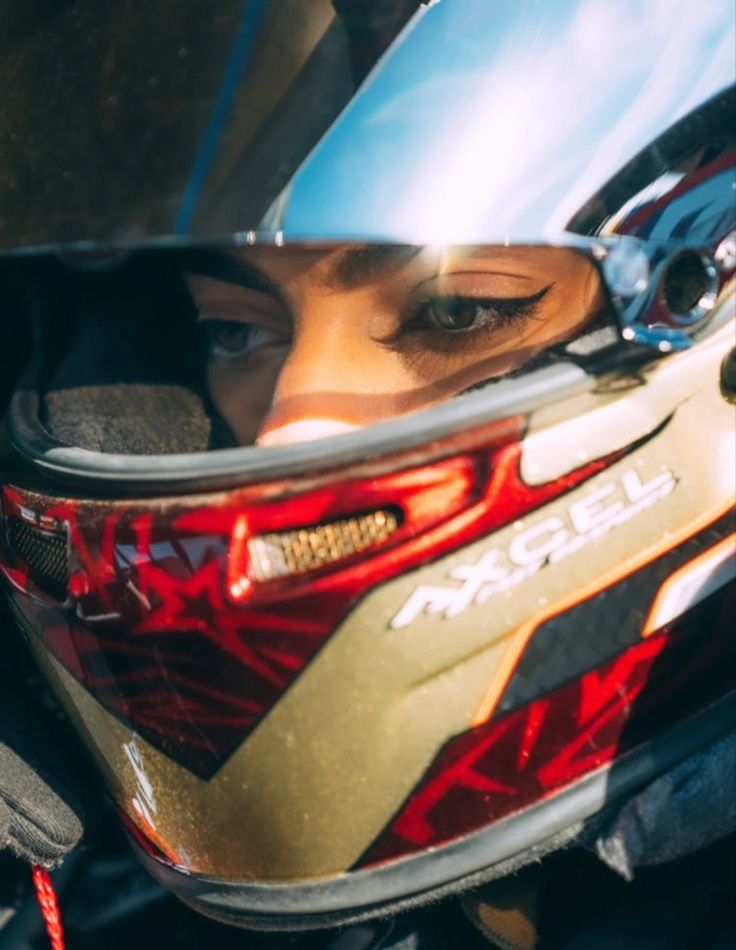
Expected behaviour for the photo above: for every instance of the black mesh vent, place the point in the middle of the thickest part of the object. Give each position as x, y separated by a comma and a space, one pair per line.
45, 553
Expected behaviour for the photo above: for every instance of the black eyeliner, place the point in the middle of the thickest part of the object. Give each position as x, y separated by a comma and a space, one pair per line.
505, 308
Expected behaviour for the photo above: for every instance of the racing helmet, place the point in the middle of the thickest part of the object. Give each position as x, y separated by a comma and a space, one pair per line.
327, 678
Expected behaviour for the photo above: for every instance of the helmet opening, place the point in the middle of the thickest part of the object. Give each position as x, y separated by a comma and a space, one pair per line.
170, 352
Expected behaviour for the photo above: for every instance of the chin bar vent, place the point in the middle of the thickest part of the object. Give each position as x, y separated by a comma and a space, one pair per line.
286, 553
46, 552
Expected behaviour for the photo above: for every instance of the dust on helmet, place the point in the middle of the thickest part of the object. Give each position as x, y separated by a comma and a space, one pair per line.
326, 679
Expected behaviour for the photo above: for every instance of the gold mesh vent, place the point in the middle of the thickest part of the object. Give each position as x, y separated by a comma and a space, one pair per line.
295, 552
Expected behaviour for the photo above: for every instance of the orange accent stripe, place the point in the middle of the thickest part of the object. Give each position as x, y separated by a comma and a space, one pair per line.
520, 637
727, 545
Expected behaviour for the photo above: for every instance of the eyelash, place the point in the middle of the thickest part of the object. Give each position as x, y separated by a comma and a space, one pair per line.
210, 327
499, 313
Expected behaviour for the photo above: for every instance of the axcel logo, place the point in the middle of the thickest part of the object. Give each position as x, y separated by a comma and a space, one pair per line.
545, 542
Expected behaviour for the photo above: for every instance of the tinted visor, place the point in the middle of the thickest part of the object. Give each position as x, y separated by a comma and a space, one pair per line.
392, 120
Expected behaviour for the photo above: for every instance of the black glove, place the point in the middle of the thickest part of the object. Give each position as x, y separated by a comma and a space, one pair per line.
38, 761
35, 823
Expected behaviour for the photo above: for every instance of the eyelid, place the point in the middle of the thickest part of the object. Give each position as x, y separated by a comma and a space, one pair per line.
244, 310
204, 286
258, 338
227, 269
505, 283
429, 336
221, 315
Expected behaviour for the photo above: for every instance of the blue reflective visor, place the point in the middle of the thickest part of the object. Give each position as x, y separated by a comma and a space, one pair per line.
453, 122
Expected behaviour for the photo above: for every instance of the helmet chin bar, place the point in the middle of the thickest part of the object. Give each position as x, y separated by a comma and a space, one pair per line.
380, 890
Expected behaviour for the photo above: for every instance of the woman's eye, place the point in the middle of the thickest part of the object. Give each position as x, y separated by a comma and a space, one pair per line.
465, 313
234, 338
455, 313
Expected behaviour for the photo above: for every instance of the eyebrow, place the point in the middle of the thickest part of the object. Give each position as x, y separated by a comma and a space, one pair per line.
355, 266
220, 265
364, 262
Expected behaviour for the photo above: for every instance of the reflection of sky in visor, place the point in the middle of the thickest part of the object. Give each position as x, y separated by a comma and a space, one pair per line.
543, 101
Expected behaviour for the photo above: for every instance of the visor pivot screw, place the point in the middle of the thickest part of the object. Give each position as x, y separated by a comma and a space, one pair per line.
627, 269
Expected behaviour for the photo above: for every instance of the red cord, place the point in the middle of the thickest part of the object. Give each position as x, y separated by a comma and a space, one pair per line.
49, 906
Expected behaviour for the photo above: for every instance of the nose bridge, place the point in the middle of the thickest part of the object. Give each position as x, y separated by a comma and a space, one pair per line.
333, 377
334, 347
325, 354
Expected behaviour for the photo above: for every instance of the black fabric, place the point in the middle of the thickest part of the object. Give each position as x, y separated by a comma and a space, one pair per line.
689, 904
681, 812
578, 904
15, 334
127, 375
43, 770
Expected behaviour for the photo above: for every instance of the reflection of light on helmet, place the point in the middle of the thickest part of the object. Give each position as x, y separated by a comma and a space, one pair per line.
692, 584
145, 801
484, 141
626, 269
725, 253
303, 430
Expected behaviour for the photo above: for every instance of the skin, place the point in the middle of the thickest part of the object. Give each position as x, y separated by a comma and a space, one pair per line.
307, 342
